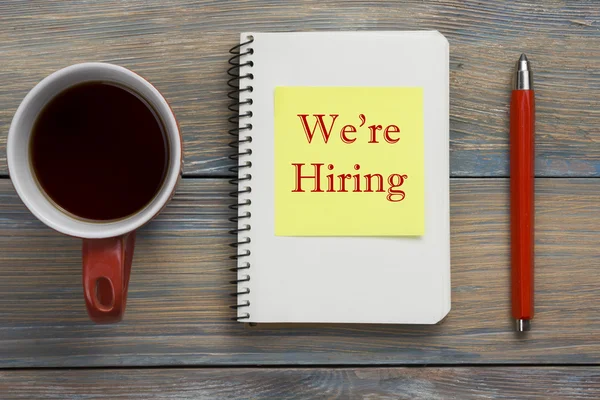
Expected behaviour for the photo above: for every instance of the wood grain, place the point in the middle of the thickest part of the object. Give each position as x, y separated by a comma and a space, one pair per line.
181, 46
177, 308
314, 383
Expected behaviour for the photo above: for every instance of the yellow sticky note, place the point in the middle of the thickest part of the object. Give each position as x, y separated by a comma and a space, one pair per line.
349, 161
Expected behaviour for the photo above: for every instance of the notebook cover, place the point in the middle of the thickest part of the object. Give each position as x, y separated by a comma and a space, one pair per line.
341, 279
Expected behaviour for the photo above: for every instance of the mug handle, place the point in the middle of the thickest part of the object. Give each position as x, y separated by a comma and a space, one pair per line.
106, 270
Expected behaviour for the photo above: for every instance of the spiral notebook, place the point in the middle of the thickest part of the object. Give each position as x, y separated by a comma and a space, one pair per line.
343, 177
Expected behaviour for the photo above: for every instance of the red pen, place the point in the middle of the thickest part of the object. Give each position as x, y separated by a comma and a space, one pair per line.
522, 159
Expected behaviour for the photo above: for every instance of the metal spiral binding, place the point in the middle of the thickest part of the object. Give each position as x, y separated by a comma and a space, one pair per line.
240, 58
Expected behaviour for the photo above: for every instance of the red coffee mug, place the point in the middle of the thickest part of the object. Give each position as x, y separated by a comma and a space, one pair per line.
107, 246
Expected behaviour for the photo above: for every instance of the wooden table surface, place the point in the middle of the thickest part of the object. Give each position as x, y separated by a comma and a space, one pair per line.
177, 340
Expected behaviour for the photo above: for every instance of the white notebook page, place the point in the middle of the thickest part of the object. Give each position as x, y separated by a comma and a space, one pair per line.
346, 279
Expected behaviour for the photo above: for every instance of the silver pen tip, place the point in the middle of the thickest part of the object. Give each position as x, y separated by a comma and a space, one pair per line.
523, 63
523, 78
523, 58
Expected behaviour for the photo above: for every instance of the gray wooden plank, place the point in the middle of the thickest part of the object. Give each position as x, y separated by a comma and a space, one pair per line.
177, 308
181, 46
313, 383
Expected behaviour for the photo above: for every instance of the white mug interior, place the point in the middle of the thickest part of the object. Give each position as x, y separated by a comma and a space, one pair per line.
20, 166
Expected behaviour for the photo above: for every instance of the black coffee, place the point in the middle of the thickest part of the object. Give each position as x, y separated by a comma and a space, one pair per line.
99, 151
